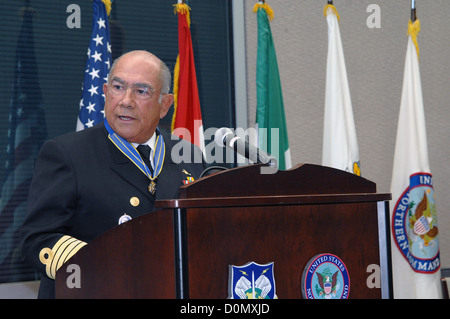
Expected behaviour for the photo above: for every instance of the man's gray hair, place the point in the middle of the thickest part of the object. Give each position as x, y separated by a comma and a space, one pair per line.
165, 76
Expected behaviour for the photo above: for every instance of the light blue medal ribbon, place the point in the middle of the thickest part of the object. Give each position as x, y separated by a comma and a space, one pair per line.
131, 152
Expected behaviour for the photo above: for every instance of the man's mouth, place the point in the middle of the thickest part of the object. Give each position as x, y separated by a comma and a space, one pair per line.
126, 118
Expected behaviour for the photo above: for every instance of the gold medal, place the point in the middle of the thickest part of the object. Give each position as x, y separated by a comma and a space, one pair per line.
152, 187
132, 153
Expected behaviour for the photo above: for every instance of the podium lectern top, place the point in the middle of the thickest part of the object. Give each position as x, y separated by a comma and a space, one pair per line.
302, 179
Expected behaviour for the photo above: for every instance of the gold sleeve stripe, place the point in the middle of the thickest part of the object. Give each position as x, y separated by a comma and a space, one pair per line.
69, 252
59, 246
62, 251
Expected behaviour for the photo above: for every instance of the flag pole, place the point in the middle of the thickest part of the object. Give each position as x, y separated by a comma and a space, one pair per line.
413, 11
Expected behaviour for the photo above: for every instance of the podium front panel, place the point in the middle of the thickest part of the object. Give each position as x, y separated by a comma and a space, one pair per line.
287, 235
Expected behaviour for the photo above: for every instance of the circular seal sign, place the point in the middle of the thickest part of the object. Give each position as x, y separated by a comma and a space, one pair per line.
414, 224
325, 277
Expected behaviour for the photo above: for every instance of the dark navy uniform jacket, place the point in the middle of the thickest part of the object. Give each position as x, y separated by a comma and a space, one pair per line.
82, 185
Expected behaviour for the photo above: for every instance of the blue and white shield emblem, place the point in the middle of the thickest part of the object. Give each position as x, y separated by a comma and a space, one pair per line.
252, 281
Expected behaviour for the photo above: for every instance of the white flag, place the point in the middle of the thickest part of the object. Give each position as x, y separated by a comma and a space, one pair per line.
340, 146
415, 236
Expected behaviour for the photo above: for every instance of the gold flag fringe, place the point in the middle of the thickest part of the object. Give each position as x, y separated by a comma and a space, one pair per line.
333, 8
183, 9
413, 31
266, 7
107, 6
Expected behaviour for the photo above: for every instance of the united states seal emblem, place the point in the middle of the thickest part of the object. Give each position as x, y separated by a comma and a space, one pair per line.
252, 281
414, 224
325, 277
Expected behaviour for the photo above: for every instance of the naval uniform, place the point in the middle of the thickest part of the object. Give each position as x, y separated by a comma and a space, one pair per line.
84, 185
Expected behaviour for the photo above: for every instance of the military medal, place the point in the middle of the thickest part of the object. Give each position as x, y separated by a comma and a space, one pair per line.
131, 152
152, 187
158, 160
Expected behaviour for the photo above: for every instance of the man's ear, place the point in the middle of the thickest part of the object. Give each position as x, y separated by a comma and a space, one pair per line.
166, 103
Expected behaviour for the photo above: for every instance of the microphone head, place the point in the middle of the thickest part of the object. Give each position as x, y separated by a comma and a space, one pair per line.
221, 134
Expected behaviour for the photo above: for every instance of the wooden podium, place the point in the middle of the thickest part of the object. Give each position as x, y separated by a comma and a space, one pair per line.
185, 248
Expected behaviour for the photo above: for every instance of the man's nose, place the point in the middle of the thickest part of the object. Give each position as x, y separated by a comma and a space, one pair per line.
128, 98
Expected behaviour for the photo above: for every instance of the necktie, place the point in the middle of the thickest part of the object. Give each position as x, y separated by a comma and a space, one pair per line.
144, 151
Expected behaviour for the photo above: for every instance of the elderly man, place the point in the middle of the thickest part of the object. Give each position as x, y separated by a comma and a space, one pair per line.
90, 181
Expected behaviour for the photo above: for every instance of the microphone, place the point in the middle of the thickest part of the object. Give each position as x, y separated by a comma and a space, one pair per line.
225, 137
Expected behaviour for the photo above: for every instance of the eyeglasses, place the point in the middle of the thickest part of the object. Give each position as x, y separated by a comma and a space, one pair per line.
140, 91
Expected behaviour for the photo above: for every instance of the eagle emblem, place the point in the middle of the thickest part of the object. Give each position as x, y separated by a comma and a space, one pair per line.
325, 277
327, 283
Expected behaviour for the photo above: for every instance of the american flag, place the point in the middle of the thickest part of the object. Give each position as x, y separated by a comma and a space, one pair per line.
97, 68
27, 131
